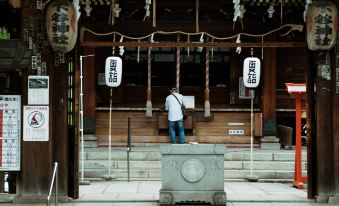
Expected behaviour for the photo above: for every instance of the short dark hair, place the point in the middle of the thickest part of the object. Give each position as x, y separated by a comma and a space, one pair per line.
173, 89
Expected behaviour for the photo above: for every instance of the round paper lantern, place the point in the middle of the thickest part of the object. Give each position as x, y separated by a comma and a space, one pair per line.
62, 25
321, 25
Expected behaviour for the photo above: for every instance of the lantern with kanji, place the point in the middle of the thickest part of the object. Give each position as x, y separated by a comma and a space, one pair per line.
251, 72
321, 25
62, 25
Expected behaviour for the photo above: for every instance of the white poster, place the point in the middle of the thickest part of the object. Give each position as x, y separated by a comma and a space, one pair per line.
189, 102
38, 90
10, 127
36, 123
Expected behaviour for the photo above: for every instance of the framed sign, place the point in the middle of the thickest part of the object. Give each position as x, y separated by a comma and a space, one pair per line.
36, 123
38, 90
189, 102
113, 71
244, 92
10, 130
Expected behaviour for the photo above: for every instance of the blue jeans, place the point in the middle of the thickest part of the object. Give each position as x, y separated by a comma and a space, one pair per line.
178, 126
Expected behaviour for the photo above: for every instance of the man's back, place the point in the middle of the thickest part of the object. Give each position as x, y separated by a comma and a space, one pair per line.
174, 107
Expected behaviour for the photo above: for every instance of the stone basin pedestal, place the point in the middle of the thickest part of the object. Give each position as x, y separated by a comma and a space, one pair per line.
192, 174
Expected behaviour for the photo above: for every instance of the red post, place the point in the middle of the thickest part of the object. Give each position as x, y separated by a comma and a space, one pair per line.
298, 182
297, 91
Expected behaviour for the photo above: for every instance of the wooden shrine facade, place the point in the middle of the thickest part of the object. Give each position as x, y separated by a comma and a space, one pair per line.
198, 39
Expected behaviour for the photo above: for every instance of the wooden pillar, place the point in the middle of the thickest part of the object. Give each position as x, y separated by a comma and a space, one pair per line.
59, 133
269, 92
177, 76
324, 122
149, 84
335, 119
37, 157
335, 123
89, 79
269, 140
207, 108
311, 127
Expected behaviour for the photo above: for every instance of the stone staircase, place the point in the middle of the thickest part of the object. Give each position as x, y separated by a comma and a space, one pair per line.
145, 163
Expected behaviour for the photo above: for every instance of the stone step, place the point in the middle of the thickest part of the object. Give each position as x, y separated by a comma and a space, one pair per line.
90, 144
102, 154
122, 155
156, 174
90, 141
262, 156
90, 137
228, 165
145, 163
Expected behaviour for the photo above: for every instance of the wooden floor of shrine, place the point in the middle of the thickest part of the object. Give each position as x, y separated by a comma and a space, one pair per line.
224, 126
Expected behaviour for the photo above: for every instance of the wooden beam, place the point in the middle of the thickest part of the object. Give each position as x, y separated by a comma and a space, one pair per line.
191, 44
217, 28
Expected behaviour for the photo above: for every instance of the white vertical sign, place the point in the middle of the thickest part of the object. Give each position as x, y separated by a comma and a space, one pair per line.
113, 71
251, 72
36, 123
10, 127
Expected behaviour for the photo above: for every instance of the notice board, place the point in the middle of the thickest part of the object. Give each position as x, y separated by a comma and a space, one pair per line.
10, 123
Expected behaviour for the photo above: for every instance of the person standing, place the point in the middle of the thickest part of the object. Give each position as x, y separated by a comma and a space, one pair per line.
175, 116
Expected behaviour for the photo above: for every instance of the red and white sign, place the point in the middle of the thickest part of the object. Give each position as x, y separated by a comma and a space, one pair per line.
36, 123
251, 72
113, 71
10, 130
293, 88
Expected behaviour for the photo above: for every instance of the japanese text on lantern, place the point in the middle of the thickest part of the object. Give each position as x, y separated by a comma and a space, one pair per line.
251, 72
113, 74
59, 26
323, 28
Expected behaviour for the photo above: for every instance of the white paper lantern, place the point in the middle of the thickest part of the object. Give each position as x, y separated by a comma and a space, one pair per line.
321, 21
251, 72
113, 71
62, 25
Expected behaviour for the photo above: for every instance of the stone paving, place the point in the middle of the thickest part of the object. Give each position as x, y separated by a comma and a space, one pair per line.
146, 193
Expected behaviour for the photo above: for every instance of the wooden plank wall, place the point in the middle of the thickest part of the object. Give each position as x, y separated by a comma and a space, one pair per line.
143, 129
291, 68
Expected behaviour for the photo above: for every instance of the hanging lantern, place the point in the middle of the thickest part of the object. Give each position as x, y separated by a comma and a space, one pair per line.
62, 25
15, 3
321, 25
251, 72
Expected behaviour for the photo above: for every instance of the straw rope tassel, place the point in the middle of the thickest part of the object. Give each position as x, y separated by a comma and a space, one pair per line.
149, 94
197, 16
154, 13
112, 14
138, 55
207, 112
178, 66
